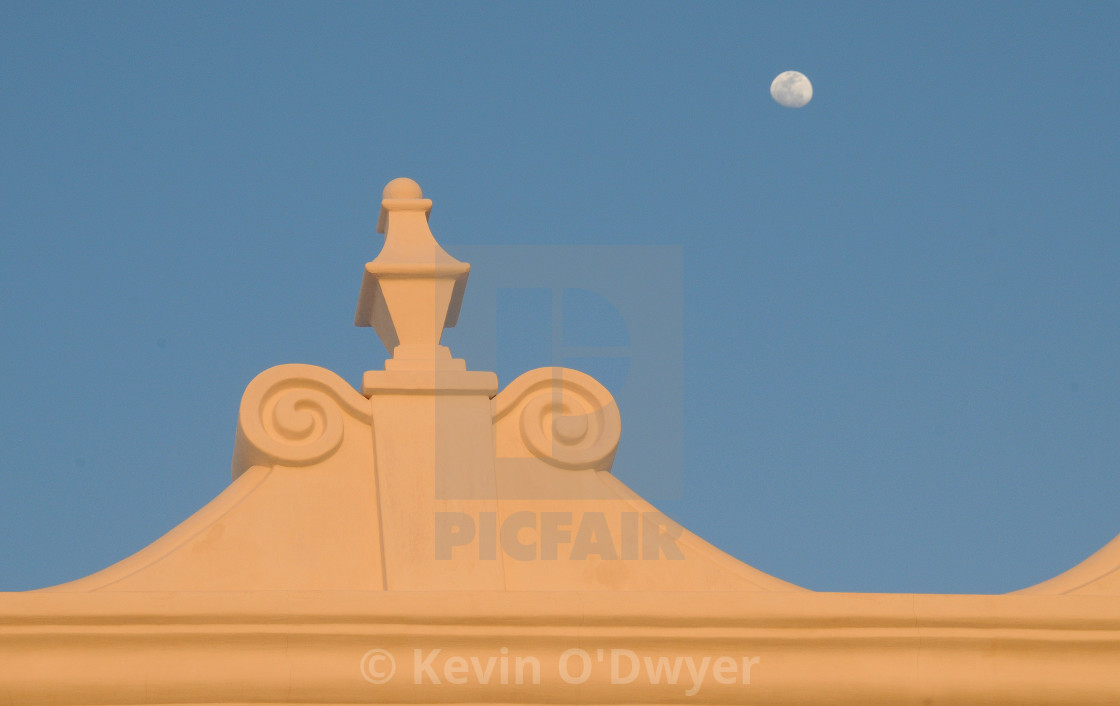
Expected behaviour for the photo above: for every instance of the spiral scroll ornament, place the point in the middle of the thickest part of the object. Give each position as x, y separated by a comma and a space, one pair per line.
565, 417
294, 415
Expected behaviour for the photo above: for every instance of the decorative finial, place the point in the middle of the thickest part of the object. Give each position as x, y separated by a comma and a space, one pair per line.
413, 289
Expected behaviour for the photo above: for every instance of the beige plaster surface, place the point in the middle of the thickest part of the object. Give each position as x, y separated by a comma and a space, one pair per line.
458, 532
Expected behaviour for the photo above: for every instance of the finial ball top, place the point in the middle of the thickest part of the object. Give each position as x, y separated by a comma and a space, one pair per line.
402, 188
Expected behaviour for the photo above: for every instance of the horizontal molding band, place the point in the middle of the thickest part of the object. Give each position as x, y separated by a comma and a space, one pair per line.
318, 648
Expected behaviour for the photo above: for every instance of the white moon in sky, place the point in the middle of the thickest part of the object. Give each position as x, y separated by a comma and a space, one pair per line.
791, 89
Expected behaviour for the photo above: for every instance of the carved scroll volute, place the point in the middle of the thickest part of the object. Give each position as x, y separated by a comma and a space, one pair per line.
561, 416
294, 415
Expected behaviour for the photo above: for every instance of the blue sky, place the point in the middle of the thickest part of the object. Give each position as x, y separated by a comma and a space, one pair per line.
897, 367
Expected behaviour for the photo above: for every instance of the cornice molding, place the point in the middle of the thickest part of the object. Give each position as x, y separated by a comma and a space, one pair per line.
311, 647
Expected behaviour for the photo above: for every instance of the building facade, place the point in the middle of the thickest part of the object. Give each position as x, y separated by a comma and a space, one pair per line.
431, 538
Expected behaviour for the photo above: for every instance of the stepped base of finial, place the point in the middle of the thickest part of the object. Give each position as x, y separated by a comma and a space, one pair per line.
428, 370
430, 382
424, 358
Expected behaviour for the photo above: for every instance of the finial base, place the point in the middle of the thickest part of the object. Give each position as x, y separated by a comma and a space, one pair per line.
429, 382
420, 357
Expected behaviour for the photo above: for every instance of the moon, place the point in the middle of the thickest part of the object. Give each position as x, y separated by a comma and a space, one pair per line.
791, 89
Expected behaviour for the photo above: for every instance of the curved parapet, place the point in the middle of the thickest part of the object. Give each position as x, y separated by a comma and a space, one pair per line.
302, 511
1099, 574
563, 521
